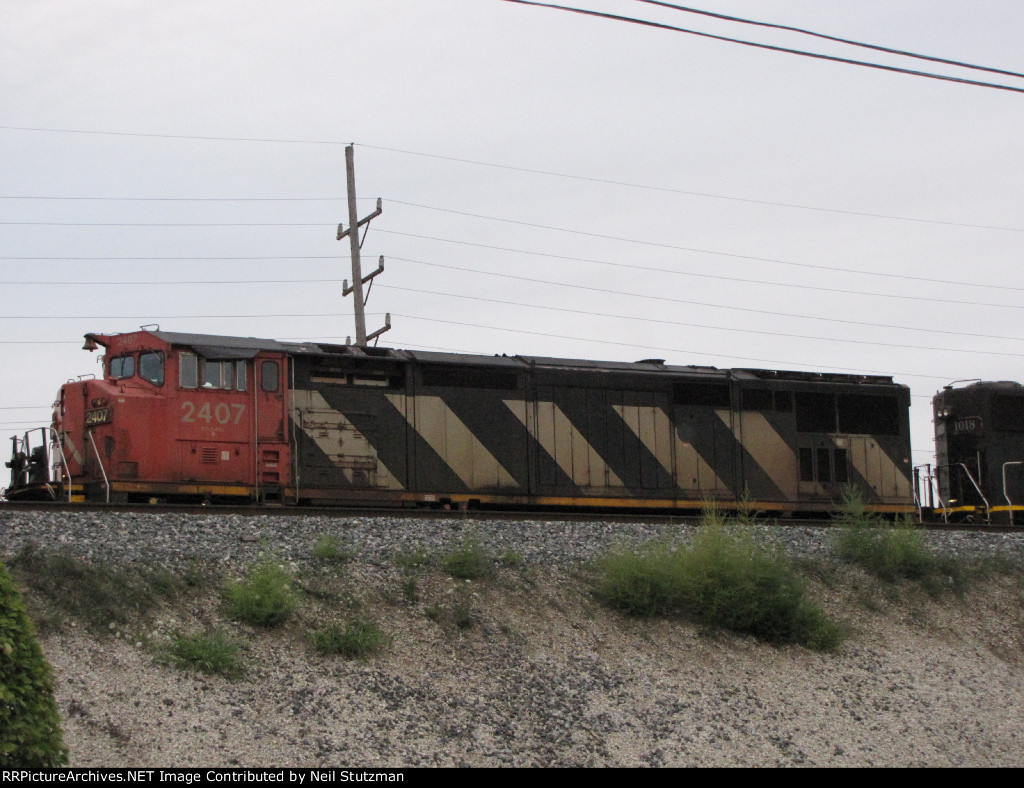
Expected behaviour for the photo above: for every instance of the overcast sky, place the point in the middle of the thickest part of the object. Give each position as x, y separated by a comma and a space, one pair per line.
553, 184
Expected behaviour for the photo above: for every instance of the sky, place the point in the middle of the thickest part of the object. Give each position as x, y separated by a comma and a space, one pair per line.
553, 184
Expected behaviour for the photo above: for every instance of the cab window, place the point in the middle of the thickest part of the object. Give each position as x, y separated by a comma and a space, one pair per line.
269, 376
197, 372
225, 375
151, 368
188, 370
122, 367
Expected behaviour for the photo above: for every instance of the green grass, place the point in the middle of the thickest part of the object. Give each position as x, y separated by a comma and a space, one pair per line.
724, 578
897, 552
329, 547
265, 598
358, 638
469, 561
892, 551
413, 560
208, 652
96, 594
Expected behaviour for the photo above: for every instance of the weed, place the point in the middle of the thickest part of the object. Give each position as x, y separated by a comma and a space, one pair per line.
208, 652
329, 548
513, 559
889, 551
413, 560
359, 637
462, 614
411, 590
264, 598
96, 594
468, 562
723, 579
458, 613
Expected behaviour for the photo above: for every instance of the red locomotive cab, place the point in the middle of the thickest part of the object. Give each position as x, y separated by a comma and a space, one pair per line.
180, 417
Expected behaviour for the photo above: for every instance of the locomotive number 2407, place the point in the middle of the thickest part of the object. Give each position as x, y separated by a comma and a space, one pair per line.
222, 413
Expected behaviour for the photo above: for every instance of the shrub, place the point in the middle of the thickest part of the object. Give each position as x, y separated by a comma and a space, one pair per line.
264, 598
890, 551
723, 579
468, 562
30, 733
208, 652
359, 637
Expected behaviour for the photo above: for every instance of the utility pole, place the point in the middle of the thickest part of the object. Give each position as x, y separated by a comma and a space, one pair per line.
355, 244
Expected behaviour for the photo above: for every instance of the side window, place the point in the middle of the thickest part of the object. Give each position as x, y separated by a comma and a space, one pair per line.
240, 375
188, 370
270, 374
218, 374
122, 367
212, 374
151, 368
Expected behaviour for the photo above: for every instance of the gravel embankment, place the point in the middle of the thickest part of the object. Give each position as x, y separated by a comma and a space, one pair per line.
544, 677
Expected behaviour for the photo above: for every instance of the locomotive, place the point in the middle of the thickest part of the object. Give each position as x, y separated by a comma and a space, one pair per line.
979, 448
200, 418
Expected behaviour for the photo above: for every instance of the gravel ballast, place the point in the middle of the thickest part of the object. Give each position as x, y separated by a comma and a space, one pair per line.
541, 675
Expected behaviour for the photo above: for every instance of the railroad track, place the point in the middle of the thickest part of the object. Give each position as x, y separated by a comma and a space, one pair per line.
455, 515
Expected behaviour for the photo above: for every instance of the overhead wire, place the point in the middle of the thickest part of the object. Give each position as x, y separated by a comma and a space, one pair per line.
658, 348
773, 48
689, 302
760, 332
554, 228
630, 266
571, 285
836, 39
531, 171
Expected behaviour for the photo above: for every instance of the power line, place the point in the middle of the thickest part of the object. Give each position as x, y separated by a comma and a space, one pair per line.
169, 224
929, 330
531, 171
571, 286
803, 31
900, 345
421, 291
664, 349
786, 50
776, 261
178, 199
630, 266
675, 247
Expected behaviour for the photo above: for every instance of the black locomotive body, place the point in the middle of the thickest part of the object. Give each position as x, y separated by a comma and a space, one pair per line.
466, 430
979, 449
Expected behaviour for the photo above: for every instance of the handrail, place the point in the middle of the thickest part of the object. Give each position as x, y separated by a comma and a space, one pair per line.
1006, 494
106, 481
988, 508
54, 441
